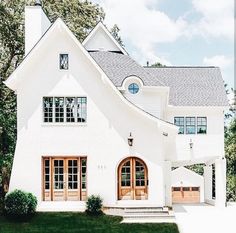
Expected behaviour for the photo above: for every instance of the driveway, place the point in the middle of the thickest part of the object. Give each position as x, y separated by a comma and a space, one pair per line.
203, 218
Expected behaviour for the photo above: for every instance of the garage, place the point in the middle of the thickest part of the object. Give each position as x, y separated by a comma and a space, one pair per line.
187, 186
185, 194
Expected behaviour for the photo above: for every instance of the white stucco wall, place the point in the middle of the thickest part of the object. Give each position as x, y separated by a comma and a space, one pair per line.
100, 41
208, 145
149, 100
183, 177
103, 139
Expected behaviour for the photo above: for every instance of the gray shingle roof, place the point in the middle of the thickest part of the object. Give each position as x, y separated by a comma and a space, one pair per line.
189, 86
118, 66
193, 86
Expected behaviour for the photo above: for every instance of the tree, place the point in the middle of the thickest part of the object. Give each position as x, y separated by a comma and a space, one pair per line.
80, 16
115, 33
230, 153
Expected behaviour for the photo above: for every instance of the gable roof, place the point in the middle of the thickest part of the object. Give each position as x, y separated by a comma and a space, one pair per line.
101, 26
118, 67
189, 86
193, 86
14, 80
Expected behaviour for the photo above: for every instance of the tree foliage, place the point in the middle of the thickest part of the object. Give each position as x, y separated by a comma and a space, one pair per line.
230, 152
115, 31
80, 16
157, 65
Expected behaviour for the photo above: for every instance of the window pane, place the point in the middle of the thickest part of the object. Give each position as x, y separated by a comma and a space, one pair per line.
201, 125
186, 189
195, 188
81, 109
83, 173
125, 174
179, 121
133, 88
48, 109
47, 174
64, 61
70, 110
190, 125
59, 109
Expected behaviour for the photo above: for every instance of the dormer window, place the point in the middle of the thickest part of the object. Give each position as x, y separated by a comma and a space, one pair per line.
64, 61
133, 88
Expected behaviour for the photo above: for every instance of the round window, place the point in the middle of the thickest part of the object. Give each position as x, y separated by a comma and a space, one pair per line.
133, 88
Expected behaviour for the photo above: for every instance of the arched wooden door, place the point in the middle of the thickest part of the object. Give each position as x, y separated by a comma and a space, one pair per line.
132, 179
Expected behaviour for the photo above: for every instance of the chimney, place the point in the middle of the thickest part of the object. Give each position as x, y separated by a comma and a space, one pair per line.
36, 24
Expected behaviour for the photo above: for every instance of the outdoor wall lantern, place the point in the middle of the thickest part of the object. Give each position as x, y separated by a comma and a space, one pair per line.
130, 140
191, 144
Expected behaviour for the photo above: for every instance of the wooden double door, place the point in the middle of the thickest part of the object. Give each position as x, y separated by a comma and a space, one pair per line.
64, 179
132, 179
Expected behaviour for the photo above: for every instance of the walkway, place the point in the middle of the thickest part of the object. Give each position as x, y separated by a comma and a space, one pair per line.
203, 218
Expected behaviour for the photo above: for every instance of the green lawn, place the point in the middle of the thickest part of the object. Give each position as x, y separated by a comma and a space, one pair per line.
80, 222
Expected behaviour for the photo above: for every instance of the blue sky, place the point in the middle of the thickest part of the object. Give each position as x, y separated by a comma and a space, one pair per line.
183, 32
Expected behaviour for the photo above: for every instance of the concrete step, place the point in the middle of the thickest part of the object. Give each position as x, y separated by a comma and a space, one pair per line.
153, 211
146, 215
161, 219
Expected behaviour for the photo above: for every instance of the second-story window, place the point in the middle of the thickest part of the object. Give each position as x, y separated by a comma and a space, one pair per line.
64, 109
190, 125
179, 121
201, 125
64, 61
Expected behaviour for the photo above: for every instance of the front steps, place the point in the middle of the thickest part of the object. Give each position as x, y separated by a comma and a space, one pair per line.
142, 214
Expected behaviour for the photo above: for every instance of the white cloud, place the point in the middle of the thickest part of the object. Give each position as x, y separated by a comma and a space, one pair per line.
218, 60
217, 18
142, 26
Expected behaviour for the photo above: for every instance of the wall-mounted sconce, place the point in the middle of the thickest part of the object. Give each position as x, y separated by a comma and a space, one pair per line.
191, 144
130, 140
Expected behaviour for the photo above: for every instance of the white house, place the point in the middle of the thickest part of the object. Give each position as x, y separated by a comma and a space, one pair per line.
91, 120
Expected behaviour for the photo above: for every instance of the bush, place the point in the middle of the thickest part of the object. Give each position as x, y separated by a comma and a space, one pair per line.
20, 204
94, 205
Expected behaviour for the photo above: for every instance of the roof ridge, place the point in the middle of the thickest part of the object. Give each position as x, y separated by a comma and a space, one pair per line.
149, 67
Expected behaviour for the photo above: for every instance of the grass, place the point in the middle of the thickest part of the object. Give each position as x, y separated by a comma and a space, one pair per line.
80, 222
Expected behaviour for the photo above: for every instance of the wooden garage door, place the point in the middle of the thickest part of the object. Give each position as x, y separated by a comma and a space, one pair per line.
185, 194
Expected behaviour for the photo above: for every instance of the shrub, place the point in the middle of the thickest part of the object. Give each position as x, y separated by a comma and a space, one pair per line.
20, 204
94, 205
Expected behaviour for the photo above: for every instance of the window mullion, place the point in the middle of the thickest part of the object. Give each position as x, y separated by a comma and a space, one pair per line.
53, 110
64, 107
76, 110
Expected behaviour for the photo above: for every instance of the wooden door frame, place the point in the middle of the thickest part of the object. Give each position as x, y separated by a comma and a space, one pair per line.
65, 168
132, 160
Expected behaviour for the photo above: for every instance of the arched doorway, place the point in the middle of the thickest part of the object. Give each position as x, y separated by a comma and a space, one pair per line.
132, 179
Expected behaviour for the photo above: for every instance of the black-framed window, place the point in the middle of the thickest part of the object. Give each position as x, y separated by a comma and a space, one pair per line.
64, 109
64, 61
59, 109
48, 109
201, 125
133, 88
179, 121
190, 125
